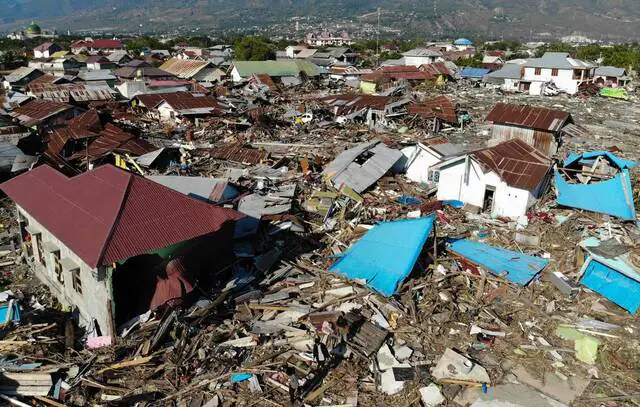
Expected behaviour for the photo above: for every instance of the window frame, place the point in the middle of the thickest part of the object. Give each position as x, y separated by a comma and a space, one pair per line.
76, 280
537, 71
554, 71
58, 270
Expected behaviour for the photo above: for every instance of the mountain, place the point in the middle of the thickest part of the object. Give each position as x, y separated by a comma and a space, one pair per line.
508, 18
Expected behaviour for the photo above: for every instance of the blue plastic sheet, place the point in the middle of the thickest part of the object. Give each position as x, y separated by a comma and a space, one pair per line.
613, 196
514, 266
240, 377
384, 257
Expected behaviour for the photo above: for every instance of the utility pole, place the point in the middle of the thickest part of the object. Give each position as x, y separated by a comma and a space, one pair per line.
378, 40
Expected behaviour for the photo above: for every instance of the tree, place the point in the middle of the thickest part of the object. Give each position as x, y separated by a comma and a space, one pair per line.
253, 49
473, 62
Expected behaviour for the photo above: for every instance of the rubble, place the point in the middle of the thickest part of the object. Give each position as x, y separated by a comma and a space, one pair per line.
345, 243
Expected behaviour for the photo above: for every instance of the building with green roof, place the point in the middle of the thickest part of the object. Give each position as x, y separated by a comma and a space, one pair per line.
276, 69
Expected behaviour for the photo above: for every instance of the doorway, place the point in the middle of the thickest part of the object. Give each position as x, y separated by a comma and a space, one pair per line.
487, 202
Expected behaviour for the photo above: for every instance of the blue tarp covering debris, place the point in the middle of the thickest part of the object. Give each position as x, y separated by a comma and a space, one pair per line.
516, 267
477, 73
384, 257
615, 278
7, 314
613, 196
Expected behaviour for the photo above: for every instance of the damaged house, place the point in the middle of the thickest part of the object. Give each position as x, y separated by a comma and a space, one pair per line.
173, 107
369, 109
556, 69
597, 181
112, 245
505, 180
537, 126
360, 167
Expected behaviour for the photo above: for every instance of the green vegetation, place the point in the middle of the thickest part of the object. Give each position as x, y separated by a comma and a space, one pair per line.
254, 49
473, 62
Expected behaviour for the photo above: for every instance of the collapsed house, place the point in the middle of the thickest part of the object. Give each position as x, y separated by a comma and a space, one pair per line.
596, 181
440, 111
360, 167
370, 109
505, 180
173, 107
110, 244
608, 269
40, 114
537, 126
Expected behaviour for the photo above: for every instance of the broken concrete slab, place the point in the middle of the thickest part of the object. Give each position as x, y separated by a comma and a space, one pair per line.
551, 385
453, 365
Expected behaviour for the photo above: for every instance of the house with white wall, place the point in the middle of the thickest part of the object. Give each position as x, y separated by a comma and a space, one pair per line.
99, 240
566, 73
46, 50
419, 158
504, 180
421, 56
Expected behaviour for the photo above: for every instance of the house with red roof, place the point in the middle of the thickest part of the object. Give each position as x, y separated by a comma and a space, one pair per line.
98, 45
111, 244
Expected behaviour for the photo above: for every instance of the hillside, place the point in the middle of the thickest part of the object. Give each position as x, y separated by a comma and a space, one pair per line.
616, 18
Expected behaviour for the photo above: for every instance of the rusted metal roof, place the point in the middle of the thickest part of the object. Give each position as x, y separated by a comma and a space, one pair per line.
237, 153
537, 118
396, 73
189, 100
87, 125
516, 163
440, 107
114, 139
66, 92
46, 79
36, 111
127, 215
184, 68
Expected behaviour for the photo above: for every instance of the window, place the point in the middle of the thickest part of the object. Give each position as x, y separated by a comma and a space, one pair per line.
538, 72
58, 267
577, 74
75, 279
554, 72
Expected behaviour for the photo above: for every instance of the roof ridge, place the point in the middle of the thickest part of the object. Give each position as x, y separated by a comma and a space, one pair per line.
116, 221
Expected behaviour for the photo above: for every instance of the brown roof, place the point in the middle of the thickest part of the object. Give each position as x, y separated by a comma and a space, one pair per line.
65, 92
114, 139
46, 79
237, 153
516, 163
38, 110
107, 214
189, 100
538, 118
87, 125
184, 68
440, 107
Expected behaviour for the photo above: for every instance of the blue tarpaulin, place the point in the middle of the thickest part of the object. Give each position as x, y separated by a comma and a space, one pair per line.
615, 278
478, 73
384, 257
613, 196
514, 266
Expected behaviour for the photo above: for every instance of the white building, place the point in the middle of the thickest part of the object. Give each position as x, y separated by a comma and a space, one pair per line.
566, 73
504, 180
418, 159
421, 56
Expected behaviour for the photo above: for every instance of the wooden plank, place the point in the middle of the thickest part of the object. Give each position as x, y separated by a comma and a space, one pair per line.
48, 401
127, 363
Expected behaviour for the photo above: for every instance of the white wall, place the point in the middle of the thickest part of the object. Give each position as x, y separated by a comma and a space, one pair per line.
417, 61
93, 303
564, 80
507, 201
165, 111
419, 161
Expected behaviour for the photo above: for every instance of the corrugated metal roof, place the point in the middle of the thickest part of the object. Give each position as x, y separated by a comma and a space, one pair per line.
345, 170
210, 189
610, 71
66, 92
560, 60
468, 72
131, 72
440, 107
184, 68
20, 73
516, 163
538, 118
127, 215
97, 75
36, 111
275, 68
422, 52
237, 153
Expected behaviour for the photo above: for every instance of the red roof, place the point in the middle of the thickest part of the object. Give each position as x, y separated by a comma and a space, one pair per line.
396, 72
106, 44
538, 118
108, 215
38, 110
